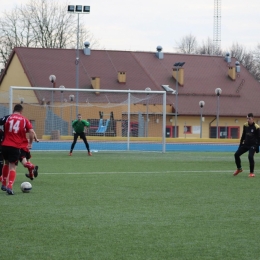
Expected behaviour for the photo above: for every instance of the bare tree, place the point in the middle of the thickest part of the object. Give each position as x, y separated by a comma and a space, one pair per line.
256, 54
207, 47
42, 24
238, 51
188, 44
249, 59
246, 58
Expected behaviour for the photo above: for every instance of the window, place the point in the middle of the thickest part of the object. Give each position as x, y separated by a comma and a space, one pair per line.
225, 132
187, 129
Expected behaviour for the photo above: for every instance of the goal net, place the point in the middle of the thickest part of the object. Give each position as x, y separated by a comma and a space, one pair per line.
119, 120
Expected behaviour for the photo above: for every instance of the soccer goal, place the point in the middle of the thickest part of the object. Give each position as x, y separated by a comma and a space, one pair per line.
119, 120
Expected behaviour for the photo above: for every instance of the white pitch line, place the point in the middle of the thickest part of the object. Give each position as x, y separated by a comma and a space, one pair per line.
78, 173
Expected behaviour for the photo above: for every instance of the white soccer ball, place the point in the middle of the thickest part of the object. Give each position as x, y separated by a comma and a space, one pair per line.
26, 187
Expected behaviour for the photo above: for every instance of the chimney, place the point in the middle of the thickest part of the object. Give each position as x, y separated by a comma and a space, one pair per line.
95, 82
180, 74
87, 50
237, 67
121, 77
159, 54
227, 58
232, 72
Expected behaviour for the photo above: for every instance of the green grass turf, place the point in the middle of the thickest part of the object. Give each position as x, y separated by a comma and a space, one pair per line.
181, 205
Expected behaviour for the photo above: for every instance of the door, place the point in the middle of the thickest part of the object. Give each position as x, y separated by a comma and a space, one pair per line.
170, 131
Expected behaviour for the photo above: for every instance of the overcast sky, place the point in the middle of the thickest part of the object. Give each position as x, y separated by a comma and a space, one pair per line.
144, 24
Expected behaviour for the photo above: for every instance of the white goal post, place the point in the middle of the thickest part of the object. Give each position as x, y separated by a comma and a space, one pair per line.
119, 119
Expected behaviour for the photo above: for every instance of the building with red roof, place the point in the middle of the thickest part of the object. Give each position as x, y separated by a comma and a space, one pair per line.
198, 79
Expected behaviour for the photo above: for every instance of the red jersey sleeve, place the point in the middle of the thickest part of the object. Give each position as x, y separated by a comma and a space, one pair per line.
28, 125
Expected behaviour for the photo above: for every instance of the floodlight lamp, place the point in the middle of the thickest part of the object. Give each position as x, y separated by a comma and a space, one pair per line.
147, 89
168, 89
61, 87
86, 9
79, 8
71, 8
71, 97
202, 104
52, 78
218, 91
165, 87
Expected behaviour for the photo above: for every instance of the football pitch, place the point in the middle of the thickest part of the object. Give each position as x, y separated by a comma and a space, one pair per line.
133, 205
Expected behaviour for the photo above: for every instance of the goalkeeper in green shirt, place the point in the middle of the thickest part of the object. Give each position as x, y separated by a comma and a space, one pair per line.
79, 128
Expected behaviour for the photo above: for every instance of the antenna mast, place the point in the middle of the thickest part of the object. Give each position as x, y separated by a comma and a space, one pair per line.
217, 26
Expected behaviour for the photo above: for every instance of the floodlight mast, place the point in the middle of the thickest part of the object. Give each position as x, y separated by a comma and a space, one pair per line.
78, 9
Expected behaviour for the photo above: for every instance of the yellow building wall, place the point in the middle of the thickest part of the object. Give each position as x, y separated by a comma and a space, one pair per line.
194, 123
37, 113
15, 76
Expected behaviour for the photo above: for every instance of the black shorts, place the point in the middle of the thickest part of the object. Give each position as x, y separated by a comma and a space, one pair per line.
1, 158
11, 154
24, 154
82, 135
